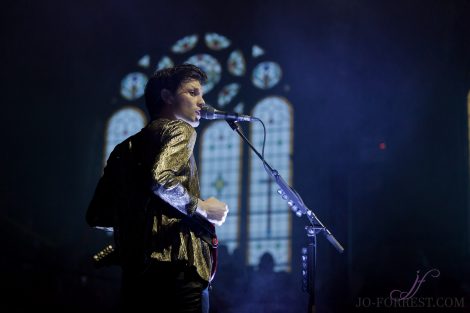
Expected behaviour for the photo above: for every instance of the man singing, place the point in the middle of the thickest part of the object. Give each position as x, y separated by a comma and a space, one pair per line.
163, 231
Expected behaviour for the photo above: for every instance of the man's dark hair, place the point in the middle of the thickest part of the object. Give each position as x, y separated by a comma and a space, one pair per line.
170, 79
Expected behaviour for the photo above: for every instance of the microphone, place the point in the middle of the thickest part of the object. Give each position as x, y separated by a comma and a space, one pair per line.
210, 113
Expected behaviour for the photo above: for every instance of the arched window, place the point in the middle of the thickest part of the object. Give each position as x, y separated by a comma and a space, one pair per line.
269, 218
220, 175
122, 124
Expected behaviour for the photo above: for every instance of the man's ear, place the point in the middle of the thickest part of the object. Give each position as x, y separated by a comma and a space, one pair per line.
167, 96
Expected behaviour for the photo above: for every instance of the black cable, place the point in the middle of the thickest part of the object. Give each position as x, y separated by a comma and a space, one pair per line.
264, 137
265, 164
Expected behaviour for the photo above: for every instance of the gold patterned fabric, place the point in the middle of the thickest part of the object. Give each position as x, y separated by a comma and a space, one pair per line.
168, 149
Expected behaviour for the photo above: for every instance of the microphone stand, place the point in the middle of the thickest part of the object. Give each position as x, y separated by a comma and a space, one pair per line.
298, 206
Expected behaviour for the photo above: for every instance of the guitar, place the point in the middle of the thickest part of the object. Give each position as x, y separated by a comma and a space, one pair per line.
107, 256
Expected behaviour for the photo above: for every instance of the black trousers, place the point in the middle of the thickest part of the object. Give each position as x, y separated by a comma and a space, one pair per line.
164, 287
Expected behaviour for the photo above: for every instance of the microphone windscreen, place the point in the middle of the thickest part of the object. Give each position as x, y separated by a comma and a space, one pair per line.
207, 112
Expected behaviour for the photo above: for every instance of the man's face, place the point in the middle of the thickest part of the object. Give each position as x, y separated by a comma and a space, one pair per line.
188, 102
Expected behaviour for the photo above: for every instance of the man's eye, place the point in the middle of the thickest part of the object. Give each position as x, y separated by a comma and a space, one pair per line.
192, 92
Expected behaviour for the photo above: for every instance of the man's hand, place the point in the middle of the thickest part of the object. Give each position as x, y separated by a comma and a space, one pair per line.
215, 210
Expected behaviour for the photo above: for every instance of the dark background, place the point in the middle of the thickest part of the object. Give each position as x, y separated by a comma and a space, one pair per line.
360, 73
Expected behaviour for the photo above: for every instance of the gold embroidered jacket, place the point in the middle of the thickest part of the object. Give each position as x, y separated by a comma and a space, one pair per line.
174, 179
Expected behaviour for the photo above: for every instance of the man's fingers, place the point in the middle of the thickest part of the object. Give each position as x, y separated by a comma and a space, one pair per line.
219, 220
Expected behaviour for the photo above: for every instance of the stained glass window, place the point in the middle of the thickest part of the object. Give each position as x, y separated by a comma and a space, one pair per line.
185, 44
215, 41
236, 63
239, 108
220, 175
210, 66
165, 62
256, 51
144, 61
122, 124
133, 85
266, 75
269, 227
227, 93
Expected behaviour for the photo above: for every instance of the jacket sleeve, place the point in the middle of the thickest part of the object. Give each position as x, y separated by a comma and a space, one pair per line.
168, 170
102, 209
